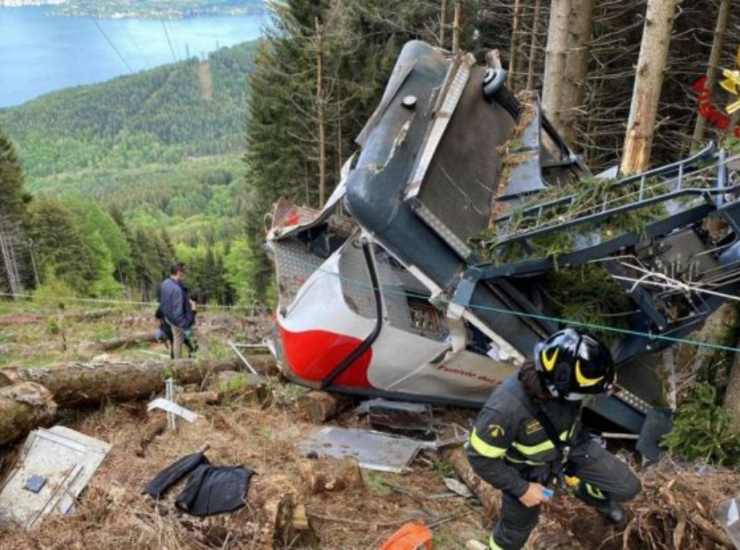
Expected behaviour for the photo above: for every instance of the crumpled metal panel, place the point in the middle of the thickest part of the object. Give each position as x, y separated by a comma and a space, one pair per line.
372, 450
66, 458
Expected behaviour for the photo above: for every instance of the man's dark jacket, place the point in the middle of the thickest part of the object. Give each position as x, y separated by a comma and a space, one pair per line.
175, 304
508, 441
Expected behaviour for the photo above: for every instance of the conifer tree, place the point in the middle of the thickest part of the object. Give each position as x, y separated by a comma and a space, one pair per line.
13, 247
60, 248
12, 196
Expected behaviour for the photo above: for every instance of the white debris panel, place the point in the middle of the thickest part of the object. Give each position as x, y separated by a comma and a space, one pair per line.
54, 468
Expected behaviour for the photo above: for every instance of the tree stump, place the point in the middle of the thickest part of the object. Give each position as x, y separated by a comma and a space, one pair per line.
278, 506
325, 475
320, 406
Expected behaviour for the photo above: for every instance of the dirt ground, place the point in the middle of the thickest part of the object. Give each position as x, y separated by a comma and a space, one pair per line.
676, 509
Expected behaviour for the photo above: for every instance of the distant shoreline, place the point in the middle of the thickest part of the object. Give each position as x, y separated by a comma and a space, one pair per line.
112, 10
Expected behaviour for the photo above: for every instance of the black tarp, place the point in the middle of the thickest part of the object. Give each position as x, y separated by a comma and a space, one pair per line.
209, 490
214, 490
174, 473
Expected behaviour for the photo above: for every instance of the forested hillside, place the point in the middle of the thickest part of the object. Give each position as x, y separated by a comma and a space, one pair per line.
126, 176
163, 115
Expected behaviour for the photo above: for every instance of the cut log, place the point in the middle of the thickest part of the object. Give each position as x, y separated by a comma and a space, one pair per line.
200, 398
20, 319
23, 407
123, 342
241, 385
263, 363
75, 384
5, 380
277, 504
489, 497
320, 406
324, 475
91, 315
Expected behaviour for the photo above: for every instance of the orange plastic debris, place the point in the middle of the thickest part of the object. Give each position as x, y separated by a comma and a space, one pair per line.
411, 536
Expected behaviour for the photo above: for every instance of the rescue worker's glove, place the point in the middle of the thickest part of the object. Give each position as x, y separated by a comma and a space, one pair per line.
572, 365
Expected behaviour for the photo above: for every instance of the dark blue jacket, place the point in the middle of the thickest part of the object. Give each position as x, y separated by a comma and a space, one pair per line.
175, 304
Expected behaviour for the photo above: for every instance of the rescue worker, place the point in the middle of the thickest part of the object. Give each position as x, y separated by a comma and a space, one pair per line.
512, 445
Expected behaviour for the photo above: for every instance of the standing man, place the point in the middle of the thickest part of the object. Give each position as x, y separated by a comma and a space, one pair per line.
176, 307
528, 436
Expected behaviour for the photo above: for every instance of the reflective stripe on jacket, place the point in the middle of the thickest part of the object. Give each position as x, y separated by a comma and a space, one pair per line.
506, 438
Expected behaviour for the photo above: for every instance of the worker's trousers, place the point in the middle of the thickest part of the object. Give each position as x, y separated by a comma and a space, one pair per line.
602, 477
178, 337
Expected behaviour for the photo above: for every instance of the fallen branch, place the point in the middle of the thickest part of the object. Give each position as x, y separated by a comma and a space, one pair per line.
489, 497
155, 427
365, 523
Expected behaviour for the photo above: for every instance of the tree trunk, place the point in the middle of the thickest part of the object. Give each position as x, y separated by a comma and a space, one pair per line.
712, 66
731, 403
556, 54
76, 384
320, 117
514, 44
573, 90
533, 45
442, 23
656, 37
23, 407
489, 497
456, 27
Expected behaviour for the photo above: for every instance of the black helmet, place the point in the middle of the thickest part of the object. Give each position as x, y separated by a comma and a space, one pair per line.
571, 364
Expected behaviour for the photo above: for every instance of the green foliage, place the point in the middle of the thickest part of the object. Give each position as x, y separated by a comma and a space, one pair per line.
702, 429
443, 468
60, 246
234, 385
239, 272
588, 294
589, 195
54, 293
733, 145
375, 482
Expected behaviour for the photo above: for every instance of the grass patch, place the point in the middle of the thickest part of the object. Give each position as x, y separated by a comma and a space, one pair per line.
443, 468
375, 482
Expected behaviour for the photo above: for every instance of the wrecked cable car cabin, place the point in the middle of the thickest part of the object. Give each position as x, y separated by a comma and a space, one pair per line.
428, 274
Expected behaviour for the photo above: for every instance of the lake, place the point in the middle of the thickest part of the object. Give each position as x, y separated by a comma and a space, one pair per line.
40, 53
